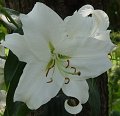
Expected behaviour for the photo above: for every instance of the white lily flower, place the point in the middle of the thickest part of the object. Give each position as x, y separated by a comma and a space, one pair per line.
60, 54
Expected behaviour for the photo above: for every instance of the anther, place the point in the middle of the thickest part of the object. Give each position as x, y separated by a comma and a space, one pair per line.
74, 69
68, 63
47, 71
79, 73
67, 80
51, 80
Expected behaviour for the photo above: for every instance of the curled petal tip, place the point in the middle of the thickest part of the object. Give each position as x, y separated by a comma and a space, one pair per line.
73, 109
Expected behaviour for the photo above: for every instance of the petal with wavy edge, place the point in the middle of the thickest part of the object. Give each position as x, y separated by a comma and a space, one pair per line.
73, 110
86, 10
87, 47
78, 25
46, 23
17, 44
31, 86
102, 20
91, 67
89, 35
105, 36
21, 48
78, 90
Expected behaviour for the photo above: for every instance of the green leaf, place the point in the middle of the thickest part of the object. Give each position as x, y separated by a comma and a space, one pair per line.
11, 66
3, 31
13, 70
94, 99
19, 109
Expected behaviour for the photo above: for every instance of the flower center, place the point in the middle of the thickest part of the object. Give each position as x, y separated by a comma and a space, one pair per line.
63, 64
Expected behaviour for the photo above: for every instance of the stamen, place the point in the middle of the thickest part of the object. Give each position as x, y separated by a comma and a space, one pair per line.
51, 80
74, 69
67, 80
47, 72
79, 73
50, 68
68, 63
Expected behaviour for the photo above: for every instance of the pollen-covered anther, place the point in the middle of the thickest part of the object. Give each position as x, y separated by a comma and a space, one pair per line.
74, 69
68, 63
79, 73
67, 80
47, 72
51, 80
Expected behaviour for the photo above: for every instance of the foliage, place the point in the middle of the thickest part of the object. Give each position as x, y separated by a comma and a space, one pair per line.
12, 75
114, 90
115, 37
115, 55
3, 31
114, 77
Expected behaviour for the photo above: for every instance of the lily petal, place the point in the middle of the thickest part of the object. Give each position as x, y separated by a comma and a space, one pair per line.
78, 25
31, 86
88, 47
86, 10
47, 24
91, 67
100, 18
18, 45
73, 110
86, 41
105, 36
79, 90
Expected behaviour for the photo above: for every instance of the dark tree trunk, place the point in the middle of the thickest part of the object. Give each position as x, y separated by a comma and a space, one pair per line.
65, 8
